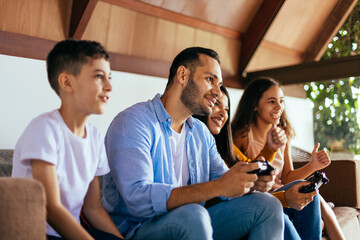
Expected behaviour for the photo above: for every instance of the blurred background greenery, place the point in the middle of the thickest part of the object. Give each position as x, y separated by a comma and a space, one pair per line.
336, 102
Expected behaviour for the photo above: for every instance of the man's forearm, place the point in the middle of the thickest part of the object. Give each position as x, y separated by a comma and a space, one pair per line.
196, 193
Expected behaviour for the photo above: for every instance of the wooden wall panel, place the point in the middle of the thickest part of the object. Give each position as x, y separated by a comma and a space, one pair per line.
2, 14
58, 12
184, 38
144, 35
164, 41
265, 58
98, 26
39, 18
292, 31
141, 35
202, 38
22, 16
121, 30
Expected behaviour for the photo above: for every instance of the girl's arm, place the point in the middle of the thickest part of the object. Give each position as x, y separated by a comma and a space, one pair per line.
57, 215
319, 160
95, 212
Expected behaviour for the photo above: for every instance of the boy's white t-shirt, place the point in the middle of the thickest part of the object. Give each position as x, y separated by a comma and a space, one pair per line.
77, 160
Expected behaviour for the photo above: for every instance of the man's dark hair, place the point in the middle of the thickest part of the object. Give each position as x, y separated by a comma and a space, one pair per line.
69, 56
190, 59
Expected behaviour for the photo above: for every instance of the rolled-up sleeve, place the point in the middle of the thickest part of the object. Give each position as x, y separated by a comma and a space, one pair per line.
129, 144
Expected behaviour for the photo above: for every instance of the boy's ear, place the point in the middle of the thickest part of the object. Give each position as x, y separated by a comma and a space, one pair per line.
66, 82
182, 75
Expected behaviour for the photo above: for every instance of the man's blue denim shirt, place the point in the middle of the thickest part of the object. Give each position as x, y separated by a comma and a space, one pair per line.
142, 174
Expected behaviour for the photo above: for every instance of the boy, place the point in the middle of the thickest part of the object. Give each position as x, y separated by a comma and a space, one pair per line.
64, 152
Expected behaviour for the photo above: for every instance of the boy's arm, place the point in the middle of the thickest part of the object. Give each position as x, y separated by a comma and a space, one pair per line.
57, 215
95, 212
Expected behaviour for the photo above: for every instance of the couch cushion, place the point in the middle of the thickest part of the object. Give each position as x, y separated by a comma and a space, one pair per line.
22, 209
348, 220
6, 156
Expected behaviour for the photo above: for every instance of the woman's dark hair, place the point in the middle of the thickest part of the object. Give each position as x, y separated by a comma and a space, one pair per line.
245, 115
224, 140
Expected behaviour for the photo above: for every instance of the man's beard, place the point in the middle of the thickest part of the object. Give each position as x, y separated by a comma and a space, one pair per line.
190, 97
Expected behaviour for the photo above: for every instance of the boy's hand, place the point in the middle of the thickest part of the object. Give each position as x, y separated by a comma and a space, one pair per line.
319, 160
298, 200
237, 182
276, 138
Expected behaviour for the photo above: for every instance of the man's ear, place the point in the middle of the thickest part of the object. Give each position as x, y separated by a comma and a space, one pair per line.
65, 81
182, 75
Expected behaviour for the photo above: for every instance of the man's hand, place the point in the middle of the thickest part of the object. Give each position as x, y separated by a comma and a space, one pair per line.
276, 138
237, 181
319, 160
265, 182
298, 200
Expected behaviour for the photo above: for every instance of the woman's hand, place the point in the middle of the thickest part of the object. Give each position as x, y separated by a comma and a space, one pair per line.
297, 200
276, 138
319, 160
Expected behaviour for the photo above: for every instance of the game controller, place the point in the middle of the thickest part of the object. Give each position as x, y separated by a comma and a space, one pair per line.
265, 168
316, 180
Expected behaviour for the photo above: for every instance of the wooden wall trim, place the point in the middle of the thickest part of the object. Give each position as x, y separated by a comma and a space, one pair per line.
313, 71
80, 16
19, 45
256, 31
340, 12
151, 10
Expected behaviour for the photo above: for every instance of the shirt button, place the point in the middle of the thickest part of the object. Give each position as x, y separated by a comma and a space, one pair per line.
169, 119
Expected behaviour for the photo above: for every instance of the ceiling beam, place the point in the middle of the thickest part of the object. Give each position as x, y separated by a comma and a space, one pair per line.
162, 13
313, 71
80, 15
256, 31
336, 19
19, 45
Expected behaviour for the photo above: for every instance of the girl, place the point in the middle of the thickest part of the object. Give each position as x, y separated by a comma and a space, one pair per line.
218, 124
260, 109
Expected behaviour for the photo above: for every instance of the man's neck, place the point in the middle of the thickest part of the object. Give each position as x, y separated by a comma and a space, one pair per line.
176, 109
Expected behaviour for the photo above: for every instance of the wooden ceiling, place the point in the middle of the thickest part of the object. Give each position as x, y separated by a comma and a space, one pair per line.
143, 36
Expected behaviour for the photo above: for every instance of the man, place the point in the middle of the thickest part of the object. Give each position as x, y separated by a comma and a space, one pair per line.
165, 165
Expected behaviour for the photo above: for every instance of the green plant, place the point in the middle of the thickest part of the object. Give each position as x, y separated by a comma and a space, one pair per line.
336, 102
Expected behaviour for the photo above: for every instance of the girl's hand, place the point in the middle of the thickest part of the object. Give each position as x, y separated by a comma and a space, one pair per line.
276, 138
319, 160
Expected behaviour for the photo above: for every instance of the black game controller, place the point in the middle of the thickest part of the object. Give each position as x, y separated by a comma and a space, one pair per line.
316, 180
265, 168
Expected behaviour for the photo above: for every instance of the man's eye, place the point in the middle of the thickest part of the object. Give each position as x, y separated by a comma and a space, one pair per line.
99, 76
210, 79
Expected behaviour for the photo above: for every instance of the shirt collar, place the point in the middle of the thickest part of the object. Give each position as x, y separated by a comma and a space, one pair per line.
162, 114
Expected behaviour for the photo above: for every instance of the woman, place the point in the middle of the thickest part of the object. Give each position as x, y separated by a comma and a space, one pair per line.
218, 124
261, 108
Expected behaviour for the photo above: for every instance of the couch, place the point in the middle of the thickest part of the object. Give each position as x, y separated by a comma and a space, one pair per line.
22, 201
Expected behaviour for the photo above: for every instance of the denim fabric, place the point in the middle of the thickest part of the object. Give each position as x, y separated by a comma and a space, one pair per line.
304, 224
257, 216
142, 174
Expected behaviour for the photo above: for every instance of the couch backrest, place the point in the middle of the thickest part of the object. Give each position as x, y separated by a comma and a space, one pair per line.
6, 156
